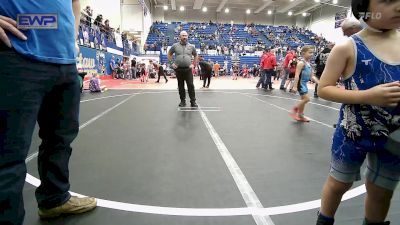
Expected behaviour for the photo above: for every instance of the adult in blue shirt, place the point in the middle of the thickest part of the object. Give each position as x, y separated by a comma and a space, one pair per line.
113, 67
38, 82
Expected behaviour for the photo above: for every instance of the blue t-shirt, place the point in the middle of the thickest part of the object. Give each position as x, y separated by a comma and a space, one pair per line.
112, 64
46, 45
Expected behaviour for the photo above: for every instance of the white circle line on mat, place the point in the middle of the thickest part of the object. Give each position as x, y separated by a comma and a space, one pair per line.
276, 210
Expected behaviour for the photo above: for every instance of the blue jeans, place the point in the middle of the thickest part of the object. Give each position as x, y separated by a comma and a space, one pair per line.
268, 80
261, 81
284, 78
33, 91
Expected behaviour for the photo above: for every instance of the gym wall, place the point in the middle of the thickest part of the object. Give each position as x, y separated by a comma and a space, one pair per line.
236, 15
323, 22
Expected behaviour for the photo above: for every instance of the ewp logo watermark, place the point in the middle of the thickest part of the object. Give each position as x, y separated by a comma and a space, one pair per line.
37, 21
369, 15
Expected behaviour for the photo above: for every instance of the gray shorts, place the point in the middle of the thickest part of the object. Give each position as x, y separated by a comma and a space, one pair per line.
383, 168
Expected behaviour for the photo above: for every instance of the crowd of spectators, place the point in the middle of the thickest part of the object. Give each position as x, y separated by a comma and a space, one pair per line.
98, 31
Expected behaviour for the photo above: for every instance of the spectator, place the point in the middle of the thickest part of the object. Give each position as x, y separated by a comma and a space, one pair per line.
216, 68
107, 27
320, 61
44, 90
289, 56
95, 84
88, 16
206, 72
113, 67
350, 27
160, 70
133, 68
99, 20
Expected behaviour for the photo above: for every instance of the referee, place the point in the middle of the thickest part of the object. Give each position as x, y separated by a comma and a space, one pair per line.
183, 67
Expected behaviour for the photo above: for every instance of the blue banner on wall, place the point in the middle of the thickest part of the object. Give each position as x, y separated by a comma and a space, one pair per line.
95, 61
339, 18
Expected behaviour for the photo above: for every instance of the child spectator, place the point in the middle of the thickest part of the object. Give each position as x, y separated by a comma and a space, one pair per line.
95, 84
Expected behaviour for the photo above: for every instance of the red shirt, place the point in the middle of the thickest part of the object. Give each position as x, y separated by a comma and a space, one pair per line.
268, 62
288, 57
262, 58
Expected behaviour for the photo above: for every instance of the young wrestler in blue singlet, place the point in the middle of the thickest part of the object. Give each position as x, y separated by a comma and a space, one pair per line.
369, 64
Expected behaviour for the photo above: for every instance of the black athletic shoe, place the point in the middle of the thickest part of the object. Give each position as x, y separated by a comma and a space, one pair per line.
182, 104
282, 88
322, 220
193, 105
383, 223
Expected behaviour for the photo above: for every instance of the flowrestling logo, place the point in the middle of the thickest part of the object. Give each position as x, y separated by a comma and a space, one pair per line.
37, 21
369, 15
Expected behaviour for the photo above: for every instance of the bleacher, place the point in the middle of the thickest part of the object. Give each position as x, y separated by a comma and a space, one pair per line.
249, 60
226, 38
215, 58
238, 36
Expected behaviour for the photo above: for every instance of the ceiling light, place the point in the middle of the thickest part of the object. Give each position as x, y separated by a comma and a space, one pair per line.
290, 13
182, 8
335, 1
165, 7
316, 0
248, 11
226, 10
269, 12
204, 9
304, 14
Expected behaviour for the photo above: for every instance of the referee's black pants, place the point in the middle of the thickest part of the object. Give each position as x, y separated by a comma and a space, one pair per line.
182, 75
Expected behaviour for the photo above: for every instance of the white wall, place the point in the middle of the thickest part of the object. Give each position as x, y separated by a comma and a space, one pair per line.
323, 23
302, 21
132, 17
158, 14
147, 22
110, 9
238, 16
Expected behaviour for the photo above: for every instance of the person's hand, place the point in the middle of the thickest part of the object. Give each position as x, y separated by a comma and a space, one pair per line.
384, 95
174, 66
10, 25
315, 79
294, 89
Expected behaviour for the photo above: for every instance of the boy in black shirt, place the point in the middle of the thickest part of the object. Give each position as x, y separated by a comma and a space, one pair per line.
206, 71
